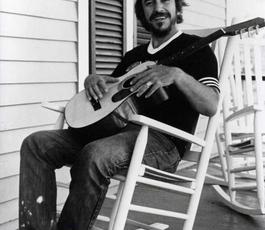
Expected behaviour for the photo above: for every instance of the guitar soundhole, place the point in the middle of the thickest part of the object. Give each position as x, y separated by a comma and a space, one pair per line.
121, 95
127, 84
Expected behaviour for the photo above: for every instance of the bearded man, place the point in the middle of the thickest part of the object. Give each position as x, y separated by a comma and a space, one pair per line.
191, 86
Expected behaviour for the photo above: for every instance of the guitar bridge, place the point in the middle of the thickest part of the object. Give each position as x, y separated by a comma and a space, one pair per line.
95, 103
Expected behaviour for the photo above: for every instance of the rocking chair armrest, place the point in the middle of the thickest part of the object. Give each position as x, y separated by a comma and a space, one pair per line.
59, 124
244, 112
167, 129
51, 106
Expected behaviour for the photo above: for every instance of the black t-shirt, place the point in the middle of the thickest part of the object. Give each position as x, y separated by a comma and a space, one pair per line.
176, 111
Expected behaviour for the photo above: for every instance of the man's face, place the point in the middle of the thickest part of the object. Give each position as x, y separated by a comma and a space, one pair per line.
160, 15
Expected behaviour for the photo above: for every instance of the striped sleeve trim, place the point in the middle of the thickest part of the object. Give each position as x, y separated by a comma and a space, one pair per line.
211, 82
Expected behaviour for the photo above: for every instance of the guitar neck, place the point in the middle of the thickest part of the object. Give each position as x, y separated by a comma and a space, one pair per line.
192, 48
238, 28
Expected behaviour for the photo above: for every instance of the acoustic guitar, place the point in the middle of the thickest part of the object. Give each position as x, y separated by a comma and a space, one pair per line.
81, 112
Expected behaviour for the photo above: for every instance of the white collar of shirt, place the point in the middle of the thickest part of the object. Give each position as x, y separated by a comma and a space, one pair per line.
152, 50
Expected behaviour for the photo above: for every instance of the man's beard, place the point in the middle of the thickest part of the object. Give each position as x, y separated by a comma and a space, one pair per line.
158, 32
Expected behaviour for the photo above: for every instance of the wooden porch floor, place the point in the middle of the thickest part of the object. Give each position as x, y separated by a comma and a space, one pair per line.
212, 214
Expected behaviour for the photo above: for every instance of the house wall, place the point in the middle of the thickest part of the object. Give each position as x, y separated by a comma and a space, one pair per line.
39, 61
204, 14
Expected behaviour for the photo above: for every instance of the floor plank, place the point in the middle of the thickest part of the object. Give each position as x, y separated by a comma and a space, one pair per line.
212, 214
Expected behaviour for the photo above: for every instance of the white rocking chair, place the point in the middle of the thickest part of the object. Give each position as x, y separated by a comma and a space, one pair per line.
137, 171
244, 126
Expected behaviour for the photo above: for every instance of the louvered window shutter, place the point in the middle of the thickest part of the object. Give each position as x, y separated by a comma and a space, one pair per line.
106, 35
143, 36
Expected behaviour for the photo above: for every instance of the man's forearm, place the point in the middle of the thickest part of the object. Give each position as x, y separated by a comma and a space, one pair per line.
203, 98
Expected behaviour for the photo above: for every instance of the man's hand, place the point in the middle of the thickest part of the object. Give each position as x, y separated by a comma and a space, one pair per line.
96, 85
153, 78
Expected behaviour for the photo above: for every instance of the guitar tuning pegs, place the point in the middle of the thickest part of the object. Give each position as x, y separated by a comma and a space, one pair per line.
241, 33
257, 29
249, 30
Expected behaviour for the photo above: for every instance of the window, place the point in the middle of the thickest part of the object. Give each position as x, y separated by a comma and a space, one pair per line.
106, 35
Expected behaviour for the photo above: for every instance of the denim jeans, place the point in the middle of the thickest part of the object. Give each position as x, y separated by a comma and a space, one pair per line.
93, 163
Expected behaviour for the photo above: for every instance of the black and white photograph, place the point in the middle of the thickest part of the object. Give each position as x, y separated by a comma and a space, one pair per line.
132, 114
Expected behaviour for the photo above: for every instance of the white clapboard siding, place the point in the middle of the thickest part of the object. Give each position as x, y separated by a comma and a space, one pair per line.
9, 211
13, 25
221, 3
10, 141
18, 49
201, 20
38, 62
205, 8
9, 188
55, 9
34, 93
26, 115
10, 225
9, 164
14, 72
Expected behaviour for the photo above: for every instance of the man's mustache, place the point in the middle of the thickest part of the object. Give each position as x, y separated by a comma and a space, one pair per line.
159, 14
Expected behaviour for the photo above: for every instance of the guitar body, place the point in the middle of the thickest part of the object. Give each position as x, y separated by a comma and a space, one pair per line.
80, 112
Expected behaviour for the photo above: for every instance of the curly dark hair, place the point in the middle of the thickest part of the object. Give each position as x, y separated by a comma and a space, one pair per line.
141, 17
